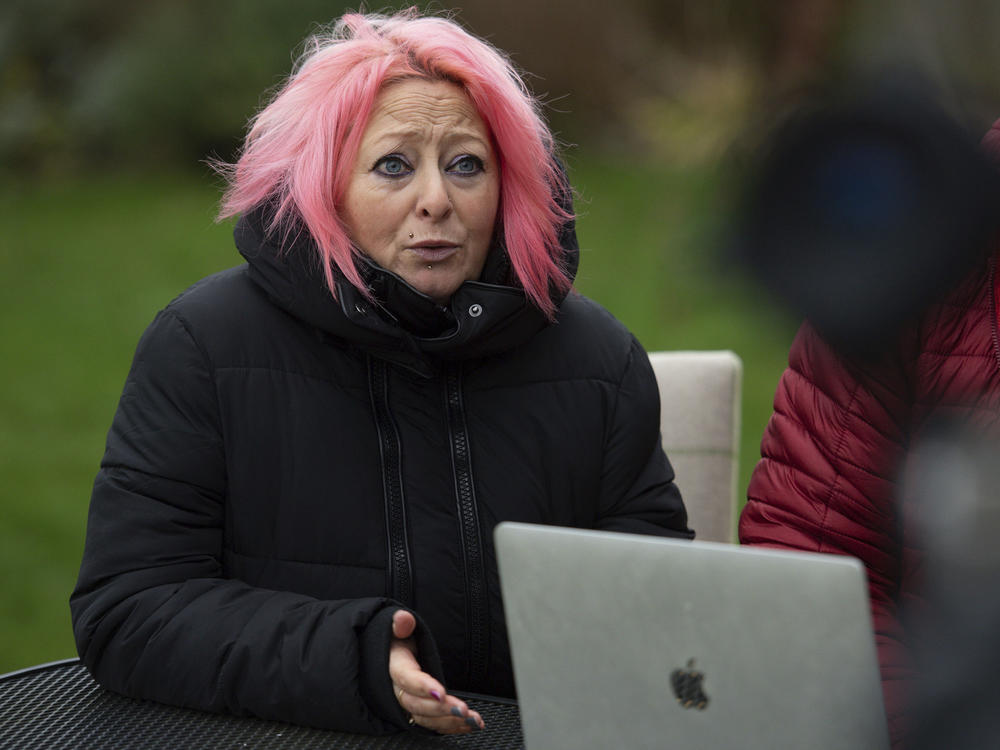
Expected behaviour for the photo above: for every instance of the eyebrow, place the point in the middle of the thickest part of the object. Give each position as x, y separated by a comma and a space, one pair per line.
402, 134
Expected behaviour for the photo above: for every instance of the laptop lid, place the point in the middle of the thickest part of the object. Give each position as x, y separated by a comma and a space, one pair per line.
628, 641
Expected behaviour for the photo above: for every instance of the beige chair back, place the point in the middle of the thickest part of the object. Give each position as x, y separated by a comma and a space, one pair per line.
700, 393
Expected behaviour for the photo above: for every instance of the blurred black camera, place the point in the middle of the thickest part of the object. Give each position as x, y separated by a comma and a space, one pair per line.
864, 206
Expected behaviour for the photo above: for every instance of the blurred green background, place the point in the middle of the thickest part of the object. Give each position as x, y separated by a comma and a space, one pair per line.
108, 109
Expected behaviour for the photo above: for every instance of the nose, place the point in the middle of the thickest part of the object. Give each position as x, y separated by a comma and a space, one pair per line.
433, 199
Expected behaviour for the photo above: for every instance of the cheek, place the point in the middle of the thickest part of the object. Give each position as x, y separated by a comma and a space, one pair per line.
362, 219
489, 208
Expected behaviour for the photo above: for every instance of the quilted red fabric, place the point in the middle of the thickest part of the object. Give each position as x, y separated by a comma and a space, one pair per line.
828, 477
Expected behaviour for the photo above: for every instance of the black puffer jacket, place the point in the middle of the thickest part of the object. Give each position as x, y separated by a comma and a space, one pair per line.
286, 470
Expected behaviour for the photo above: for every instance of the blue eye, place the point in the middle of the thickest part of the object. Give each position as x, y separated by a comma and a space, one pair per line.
466, 164
392, 166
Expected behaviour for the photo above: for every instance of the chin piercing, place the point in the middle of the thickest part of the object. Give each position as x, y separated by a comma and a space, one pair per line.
429, 267
411, 235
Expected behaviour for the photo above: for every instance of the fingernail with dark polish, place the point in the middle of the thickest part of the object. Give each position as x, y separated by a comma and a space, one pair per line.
471, 721
436, 695
456, 711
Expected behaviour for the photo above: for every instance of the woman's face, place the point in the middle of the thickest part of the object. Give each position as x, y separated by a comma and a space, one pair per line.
422, 197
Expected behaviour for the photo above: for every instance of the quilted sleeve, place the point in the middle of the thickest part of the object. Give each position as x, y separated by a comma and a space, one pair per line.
638, 493
826, 480
154, 614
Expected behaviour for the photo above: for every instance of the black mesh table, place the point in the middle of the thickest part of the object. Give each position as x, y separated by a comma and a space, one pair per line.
59, 705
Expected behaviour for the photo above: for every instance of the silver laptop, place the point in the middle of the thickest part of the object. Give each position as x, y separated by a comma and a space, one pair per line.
627, 641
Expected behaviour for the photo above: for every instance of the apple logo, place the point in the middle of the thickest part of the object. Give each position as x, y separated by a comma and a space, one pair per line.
687, 685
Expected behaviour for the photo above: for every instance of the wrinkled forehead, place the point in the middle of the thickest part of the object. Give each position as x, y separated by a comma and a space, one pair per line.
422, 107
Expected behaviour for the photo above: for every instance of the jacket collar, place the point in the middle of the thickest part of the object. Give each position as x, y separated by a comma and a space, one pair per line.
485, 317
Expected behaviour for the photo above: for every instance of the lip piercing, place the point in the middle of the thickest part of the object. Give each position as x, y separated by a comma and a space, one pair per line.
411, 235
429, 266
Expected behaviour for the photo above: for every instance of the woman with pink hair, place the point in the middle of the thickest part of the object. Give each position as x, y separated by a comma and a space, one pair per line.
293, 517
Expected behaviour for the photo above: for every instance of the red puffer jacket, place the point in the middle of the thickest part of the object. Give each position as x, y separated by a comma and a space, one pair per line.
832, 449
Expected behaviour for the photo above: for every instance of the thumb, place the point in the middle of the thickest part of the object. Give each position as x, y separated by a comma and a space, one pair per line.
403, 623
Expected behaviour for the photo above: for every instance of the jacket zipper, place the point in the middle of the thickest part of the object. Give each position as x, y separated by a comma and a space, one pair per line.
400, 573
476, 601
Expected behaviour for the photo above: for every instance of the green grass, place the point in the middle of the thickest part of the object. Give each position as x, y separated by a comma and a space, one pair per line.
84, 266
651, 253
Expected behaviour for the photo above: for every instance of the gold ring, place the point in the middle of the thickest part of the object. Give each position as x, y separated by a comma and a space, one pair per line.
399, 694
412, 721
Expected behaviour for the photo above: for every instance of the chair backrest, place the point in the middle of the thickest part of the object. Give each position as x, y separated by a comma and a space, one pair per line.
700, 394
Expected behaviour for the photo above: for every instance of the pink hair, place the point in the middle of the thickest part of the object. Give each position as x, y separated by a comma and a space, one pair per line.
301, 147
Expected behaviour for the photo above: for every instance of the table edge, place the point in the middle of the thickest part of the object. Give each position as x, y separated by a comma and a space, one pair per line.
40, 668
72, 661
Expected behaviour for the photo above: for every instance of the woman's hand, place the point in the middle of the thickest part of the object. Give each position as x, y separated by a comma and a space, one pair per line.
420, 695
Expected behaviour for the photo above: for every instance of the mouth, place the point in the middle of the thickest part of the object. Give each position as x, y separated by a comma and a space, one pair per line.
430, 251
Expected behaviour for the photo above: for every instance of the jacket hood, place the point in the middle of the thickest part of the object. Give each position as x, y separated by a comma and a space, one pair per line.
400, 324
